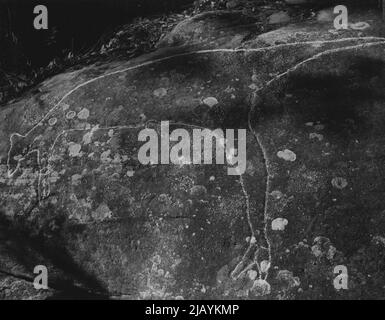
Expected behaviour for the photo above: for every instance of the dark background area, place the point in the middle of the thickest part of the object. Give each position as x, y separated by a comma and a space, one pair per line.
76, 27
73, 25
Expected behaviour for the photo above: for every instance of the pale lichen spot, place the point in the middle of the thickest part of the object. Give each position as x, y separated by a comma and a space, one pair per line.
276, 194
265, 266
105, 156
210, 102
319, 127
339, 183
198, 191
103, 212
87, 138
130, 173
52, 121
279, 224
260, 288
331, 252
76, 179
142, 117
252, 274
288, 278
70, 115
230, 89
287, 155
83, 114
74, 149
318, 136
316, 251
255, 77
361, 25
117, 159
379, 240
160, 93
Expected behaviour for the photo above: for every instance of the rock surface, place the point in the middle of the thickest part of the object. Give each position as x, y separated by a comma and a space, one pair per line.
216, 28
80, 203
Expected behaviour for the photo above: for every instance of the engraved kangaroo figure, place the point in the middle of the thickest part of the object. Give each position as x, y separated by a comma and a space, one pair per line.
22, 146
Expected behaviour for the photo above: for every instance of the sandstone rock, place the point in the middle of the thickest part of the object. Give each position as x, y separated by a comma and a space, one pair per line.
17, 289
216, 28
158, 233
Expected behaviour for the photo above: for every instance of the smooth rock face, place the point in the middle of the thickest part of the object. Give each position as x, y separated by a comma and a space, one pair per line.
115, 227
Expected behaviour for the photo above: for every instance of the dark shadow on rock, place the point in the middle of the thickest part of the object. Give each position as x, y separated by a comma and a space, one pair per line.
333, 99
27, 250
348, 228
348, 100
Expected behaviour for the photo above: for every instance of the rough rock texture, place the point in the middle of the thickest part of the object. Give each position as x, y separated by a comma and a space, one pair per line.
311, 198
17, 289
216, 28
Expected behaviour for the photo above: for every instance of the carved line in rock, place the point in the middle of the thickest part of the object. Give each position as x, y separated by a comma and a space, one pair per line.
264, 152
151, 62
252, 245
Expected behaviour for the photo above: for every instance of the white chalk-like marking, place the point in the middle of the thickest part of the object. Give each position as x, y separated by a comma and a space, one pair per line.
377, 41
151, 62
